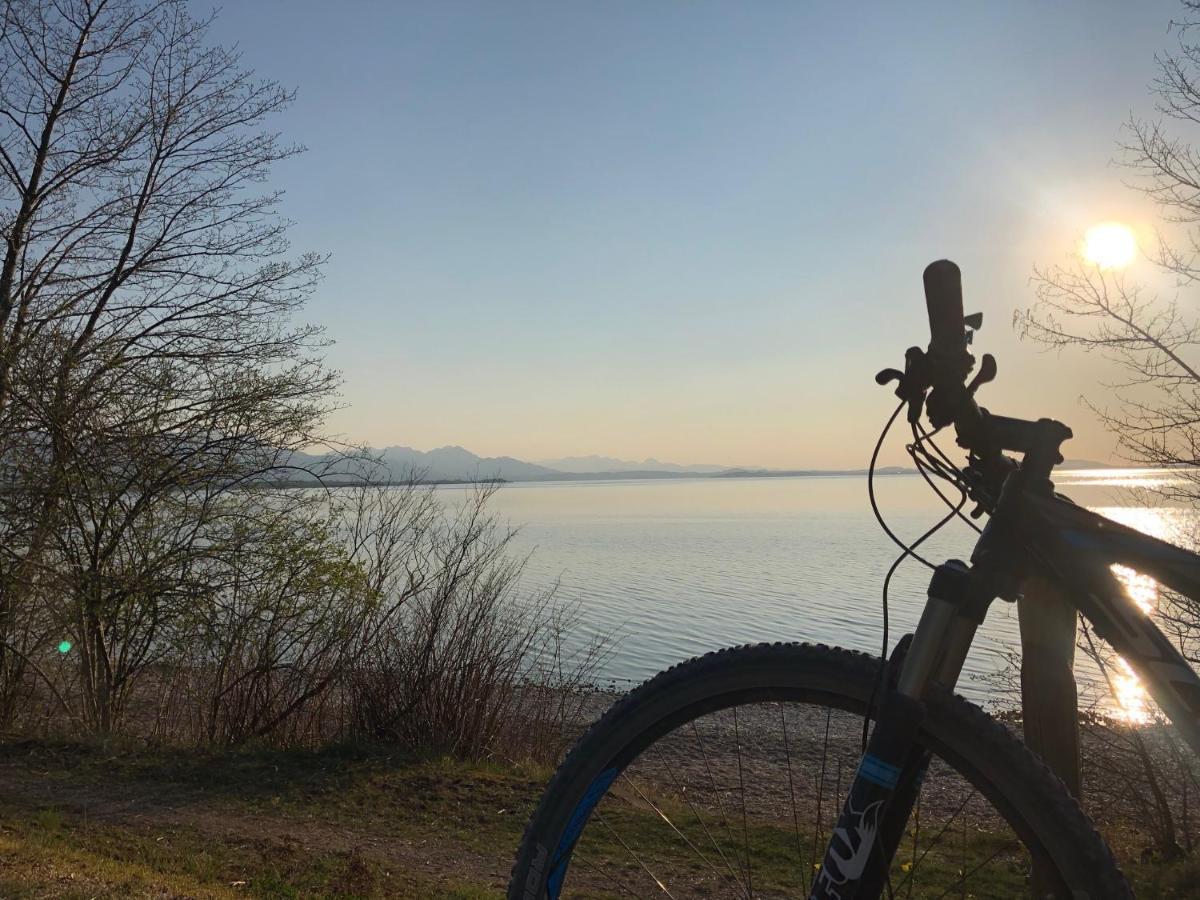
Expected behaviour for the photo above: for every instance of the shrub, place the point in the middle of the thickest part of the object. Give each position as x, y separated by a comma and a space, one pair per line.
469, 665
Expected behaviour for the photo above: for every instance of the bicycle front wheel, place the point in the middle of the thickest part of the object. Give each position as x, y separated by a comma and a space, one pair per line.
724, 777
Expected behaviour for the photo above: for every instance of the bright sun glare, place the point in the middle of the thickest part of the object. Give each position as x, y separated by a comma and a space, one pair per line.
1109, 246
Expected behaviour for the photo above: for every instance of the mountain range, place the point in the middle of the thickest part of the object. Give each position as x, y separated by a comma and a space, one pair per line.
457, 464
588, 464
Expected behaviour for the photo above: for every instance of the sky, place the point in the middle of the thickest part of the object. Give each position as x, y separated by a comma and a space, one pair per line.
689, 230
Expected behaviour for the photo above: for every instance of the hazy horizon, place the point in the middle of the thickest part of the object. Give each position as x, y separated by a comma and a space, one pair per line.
694, 233
600, 463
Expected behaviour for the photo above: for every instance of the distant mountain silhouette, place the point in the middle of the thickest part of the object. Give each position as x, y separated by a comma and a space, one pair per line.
396, 464
457, 464
1085, 464
587, 465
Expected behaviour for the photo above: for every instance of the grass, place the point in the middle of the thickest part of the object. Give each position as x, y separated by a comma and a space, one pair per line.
338, 824
105, 821
127, 861
779, 867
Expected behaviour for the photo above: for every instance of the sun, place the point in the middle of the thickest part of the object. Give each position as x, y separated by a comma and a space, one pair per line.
1110, 245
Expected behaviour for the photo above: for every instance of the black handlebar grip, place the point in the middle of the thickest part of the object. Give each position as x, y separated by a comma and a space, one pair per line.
943, 299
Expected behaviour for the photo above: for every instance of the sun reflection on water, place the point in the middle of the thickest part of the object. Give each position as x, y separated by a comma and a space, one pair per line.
1146, 479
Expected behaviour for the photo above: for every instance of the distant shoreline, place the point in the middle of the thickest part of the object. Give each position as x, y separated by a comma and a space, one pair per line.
343, 481
647, 475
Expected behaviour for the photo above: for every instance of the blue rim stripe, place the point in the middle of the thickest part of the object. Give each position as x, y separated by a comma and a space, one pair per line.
579, 817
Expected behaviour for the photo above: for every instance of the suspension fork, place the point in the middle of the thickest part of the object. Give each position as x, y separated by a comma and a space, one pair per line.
888, 779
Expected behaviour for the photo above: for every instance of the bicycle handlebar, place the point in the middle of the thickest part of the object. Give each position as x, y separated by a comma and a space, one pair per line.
943, 299
943, 372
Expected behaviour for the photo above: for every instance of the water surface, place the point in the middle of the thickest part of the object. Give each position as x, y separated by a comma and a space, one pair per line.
673, 568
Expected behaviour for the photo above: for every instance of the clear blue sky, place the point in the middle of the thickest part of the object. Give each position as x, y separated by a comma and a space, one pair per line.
683, 229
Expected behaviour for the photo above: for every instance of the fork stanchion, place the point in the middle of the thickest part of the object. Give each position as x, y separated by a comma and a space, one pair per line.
1049, 699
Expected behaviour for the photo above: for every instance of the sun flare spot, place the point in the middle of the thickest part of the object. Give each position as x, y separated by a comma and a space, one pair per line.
1133, 705
1109, 245
1129, 694
1142, 589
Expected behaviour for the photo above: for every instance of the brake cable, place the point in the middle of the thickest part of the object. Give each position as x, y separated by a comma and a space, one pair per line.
908, 550
943, 468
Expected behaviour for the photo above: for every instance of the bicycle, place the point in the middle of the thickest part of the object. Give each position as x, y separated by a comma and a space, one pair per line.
660, 797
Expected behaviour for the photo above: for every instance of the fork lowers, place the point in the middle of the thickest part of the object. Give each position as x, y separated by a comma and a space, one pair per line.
856, 855
888, 779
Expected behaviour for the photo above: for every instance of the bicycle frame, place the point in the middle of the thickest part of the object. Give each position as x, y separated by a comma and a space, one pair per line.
1031, 533
1079, 548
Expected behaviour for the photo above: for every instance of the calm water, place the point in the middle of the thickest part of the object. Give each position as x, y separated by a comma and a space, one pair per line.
674, 568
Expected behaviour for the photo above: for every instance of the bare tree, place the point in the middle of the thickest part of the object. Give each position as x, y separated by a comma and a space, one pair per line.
1153, 408
148, 364
1150, 332
1151, 336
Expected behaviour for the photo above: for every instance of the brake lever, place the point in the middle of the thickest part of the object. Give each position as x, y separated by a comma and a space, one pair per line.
886, 376
914, 381
917, 377
986, 373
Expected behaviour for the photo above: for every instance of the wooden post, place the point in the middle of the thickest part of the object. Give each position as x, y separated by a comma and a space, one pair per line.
1048, 694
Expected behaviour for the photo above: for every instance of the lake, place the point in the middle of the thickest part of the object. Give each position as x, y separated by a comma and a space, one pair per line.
676, 567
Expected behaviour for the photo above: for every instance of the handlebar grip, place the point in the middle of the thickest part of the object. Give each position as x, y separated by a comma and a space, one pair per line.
943, 299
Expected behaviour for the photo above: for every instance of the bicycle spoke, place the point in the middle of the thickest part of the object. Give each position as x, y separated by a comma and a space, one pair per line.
963, 879
912, 872
963, 867
916, 837
605, 873
787, 755
695, 812
671, 824
636, 858
818, 828
737, 743
713, 783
